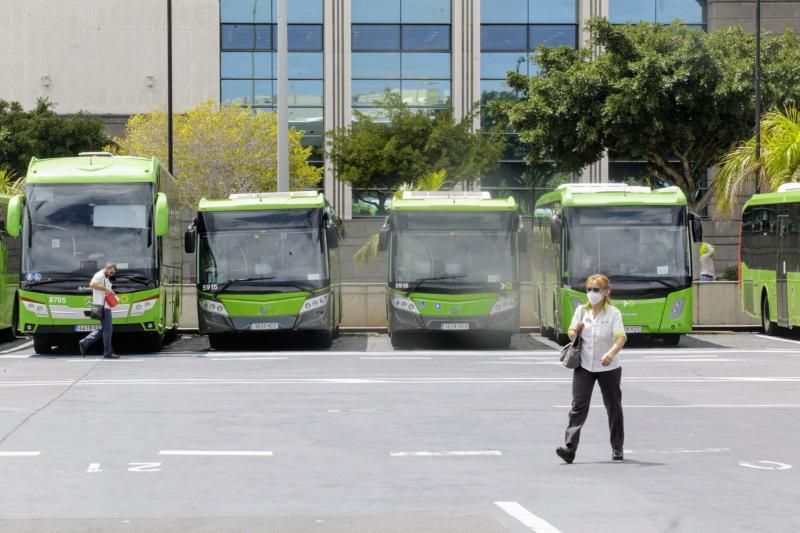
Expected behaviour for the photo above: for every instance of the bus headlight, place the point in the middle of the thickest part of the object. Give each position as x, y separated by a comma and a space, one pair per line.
213, 307
140, 308
37, 308
503, 304
404, 304
677, 308
314, 303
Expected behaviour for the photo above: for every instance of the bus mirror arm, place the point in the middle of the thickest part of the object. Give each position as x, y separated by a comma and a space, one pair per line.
383, 238
332, 235
697, 227
522, 241
189, 237
555, 228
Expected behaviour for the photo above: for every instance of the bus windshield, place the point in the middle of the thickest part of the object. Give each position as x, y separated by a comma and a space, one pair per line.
257, 251
463, 251
628, 244
71, 230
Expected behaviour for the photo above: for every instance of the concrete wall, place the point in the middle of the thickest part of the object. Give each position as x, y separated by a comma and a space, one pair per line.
776, 15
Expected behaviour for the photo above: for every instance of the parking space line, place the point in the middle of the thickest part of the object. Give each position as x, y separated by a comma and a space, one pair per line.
469, 453
248, 358
776, 338
18, 348
535, 523
700, 406
680, 450
395, 358
20, 454
215, 453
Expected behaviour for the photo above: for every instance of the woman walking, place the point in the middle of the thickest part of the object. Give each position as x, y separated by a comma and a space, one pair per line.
602, 337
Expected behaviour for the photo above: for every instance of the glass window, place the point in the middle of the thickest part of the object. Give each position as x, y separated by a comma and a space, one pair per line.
304, 11
305, 65
426, 93
264, 92
238, 37
309, 120
368, 92
553, 35
245, 11
621, 11
377, 114
305, 37
504, 37
426, 65
306, 93
246, 65
238, 92
554, 11
498, 64
688, 11
376, 37
264, 34
425, 11
504, 11
376, 65
494, 89
316, 142
375, 10
426, 37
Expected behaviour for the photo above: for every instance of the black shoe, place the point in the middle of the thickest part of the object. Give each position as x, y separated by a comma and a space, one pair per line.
616, 455
566, 454
82, 349
111, 356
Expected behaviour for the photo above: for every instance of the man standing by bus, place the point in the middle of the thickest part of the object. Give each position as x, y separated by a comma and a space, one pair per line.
707, 271
101, 287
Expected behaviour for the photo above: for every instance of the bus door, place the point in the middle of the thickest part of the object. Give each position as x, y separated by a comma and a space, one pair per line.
780, 271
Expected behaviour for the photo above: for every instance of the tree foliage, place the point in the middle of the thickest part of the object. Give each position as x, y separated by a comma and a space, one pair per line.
41, 132
219, 150
674, 96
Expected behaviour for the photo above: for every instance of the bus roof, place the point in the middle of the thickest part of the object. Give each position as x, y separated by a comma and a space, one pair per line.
450, 201
600, 194
265, 200
786, 194
93, 167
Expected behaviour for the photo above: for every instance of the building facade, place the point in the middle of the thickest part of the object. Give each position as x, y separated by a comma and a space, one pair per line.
108, 57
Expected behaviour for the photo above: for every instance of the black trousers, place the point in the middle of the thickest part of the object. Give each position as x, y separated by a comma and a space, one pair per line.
582, 387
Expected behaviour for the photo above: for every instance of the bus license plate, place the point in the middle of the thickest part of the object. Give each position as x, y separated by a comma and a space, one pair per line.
86, 327
633, 329
455, 325
265, 325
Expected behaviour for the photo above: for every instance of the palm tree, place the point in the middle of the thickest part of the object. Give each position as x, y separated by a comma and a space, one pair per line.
10, 183
740, 170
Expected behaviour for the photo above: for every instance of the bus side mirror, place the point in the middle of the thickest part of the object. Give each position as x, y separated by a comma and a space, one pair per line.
522, 241
383, 239
332, 236
189, 237
555, 228
162, 215
14, 218
697, 227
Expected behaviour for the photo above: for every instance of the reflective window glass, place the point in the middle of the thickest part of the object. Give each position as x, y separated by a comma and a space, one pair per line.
264, 34
493, 89
238, 37
375, 65
504, 37
375, 10
238, 92
264, 92
504, 11
554, 11
553, 35
305, 37
621, 11
377, 114
688, 11
426, 37
304, 11
316, 142
306, 93
309, 120
426, 65
425, 11
376, 37
246, 65
498, 64
367, 92
305, 65
426, 93
245, 11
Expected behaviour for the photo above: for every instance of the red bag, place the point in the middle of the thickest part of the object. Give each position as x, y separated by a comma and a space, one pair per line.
111, 300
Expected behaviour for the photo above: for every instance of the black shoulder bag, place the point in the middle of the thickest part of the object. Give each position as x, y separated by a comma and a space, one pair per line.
571, 353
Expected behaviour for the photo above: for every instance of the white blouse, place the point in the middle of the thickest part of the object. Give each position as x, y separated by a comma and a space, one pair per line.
598, 336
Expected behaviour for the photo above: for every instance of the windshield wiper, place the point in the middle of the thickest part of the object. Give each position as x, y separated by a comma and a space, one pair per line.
54, 280
230, 282
645, 279
419, 282
136, 278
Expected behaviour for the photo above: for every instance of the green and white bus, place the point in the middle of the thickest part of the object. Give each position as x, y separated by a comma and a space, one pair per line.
769, 258
9, 279
78, 213
267, 262
453, 265
638, 237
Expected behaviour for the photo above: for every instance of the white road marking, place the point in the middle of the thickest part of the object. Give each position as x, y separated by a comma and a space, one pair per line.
677, 355
95, 359
93, 468
144, 467
248, 358
700, 406
20, 454
216, 453
18, 348
776, 339
533, 522
395, 358
765, 465
681, 450
447, 454
379, 343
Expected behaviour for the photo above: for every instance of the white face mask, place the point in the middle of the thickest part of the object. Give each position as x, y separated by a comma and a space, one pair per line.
595, 297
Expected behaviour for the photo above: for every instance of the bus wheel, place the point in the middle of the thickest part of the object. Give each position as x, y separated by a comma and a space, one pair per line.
400, 341
671, 339
499, 340
42, 345
324, 339
153, 343
767, 326
219, 342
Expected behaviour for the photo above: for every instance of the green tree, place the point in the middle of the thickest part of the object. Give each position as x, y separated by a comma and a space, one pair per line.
674, 96
219, 150
41, 132
378, 154
10, 182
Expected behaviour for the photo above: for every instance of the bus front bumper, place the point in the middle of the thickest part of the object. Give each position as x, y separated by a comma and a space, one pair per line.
318, 319
506, 321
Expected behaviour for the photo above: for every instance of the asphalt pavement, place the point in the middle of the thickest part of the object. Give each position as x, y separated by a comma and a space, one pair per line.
282, 436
